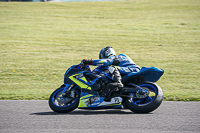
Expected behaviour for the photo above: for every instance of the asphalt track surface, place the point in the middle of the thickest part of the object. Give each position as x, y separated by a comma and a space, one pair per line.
37, 117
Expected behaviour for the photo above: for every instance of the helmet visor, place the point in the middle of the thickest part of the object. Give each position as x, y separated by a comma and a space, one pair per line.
109, 52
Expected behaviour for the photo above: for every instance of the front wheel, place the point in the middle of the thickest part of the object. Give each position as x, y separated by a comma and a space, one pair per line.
147, 104
64, 104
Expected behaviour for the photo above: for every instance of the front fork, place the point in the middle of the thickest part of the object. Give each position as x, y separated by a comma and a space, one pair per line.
67, 94
67, 91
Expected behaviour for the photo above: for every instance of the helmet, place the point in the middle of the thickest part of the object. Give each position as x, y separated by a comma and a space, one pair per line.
106, 52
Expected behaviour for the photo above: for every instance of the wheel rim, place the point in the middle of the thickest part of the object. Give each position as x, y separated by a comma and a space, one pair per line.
65, 101
152, 95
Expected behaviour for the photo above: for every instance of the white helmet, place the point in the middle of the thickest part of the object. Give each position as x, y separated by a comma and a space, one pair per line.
106, 52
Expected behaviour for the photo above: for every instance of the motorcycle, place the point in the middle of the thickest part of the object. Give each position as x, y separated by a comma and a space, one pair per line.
86, 89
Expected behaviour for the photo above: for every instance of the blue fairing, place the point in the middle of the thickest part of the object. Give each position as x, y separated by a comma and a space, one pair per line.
151, 74
89, 100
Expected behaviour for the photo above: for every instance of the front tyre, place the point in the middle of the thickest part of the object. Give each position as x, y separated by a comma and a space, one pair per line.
64, 104
147, 104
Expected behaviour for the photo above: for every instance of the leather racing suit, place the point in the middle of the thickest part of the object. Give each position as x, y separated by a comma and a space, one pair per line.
125, 64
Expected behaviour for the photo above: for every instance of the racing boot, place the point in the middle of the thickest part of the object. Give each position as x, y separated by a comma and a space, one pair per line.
116, 76
116, 86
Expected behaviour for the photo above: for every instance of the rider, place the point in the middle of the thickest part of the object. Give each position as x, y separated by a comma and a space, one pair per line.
108, 57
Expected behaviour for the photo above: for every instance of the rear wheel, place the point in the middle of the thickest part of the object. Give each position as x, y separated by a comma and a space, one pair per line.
147, 104
64, 104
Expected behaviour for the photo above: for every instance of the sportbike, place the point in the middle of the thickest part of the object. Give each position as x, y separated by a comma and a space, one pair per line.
86, 89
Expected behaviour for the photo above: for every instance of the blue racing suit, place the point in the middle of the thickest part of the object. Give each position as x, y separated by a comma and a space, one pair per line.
125, 64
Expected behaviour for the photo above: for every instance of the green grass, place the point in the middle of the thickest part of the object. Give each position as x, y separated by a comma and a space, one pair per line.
39, 41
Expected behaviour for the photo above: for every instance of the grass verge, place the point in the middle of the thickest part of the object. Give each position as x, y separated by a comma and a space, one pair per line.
39, 41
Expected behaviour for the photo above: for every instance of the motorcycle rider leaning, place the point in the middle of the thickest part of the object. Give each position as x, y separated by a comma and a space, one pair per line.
108, 57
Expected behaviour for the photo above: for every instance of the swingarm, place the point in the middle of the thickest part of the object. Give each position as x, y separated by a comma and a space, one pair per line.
135, 91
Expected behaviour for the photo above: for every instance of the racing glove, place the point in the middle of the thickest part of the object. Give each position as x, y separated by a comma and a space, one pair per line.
85, 62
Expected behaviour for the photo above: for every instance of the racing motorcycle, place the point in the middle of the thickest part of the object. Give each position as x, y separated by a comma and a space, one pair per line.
86, 89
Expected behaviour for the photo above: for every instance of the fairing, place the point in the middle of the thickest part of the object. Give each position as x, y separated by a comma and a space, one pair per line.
150, 74
91, 100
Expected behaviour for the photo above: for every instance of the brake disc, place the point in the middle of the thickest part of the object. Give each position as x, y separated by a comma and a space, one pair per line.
143, 93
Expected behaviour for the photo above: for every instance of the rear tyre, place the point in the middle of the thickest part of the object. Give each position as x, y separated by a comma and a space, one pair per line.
147, 104
67, 104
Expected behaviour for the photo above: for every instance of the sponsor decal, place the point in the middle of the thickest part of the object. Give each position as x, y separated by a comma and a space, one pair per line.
79, 76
